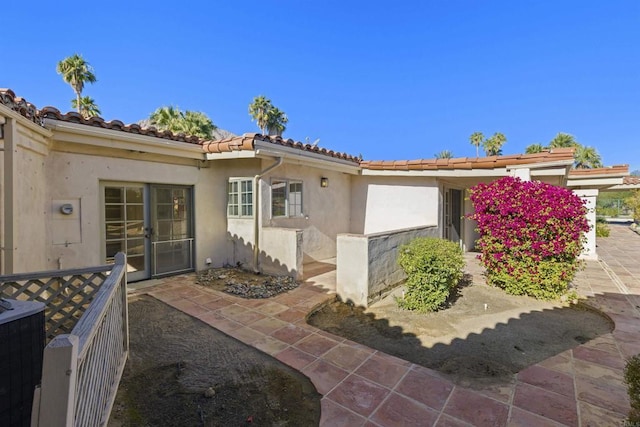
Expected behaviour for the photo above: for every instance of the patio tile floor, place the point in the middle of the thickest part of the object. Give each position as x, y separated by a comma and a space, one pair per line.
362, 386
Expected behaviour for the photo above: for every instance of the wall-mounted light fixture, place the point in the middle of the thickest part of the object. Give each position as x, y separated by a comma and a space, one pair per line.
324, 182
66, 209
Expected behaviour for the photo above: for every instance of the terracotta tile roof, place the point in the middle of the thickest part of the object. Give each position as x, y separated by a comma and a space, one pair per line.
20, 105
631, 180
74, 117
247, 142
610, 170
28, 110
491, 162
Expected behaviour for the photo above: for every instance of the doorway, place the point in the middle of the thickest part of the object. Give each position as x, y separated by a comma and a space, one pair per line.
152, 224
452, 224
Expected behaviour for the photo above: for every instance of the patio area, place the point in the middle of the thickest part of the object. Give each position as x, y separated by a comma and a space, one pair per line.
365, 387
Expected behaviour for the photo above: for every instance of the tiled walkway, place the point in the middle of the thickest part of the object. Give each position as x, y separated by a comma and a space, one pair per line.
364, 387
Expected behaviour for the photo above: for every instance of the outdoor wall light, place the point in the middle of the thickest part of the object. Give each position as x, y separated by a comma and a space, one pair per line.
66, 209
324, 182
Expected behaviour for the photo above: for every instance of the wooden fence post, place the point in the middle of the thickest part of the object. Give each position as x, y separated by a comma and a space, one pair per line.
59, 373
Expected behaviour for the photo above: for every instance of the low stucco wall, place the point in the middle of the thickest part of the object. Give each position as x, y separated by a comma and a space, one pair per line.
281, 252
367, 264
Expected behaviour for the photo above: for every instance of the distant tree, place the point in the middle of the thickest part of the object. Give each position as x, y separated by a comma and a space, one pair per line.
444, 154
477, 139
276, 121
586, 158
88, 107
76, 72
534, 148
493, 145
635, 173
187, 122
563, 140
259, 111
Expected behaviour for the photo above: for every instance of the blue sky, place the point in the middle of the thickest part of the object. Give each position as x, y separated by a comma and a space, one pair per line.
388, 80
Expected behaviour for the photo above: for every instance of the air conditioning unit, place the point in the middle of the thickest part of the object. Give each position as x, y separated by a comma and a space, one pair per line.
22, 339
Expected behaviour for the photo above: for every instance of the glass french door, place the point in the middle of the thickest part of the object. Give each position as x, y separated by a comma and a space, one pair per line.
127, 229
152, 224
171, 219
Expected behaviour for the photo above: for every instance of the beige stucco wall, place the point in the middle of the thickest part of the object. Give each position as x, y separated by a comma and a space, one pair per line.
381, 204
78, 177
367, 266
326, 210
30, 213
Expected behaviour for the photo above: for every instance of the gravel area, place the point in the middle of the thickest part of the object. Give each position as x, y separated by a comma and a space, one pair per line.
245, 284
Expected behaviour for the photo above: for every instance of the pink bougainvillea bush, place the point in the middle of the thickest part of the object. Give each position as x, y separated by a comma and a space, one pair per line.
531, 234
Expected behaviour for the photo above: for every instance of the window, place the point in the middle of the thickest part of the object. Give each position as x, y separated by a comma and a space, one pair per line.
286, 198
240, 200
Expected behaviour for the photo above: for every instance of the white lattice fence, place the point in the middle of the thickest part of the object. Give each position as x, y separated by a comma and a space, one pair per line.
66, 294
82, 370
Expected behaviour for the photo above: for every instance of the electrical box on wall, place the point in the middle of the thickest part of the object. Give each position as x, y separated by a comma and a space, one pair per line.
65, 214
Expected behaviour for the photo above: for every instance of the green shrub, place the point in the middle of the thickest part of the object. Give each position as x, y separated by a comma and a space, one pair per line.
602, 230
433, 267
632, 379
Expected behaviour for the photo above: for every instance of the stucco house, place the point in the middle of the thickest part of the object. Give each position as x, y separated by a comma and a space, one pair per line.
74, 192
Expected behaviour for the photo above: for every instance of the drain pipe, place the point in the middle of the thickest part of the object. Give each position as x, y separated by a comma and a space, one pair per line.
258, 212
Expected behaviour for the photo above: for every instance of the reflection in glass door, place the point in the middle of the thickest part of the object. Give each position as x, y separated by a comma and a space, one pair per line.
171, 219
126, 227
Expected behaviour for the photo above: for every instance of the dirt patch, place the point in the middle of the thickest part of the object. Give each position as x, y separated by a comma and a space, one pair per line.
182, 372
483, 338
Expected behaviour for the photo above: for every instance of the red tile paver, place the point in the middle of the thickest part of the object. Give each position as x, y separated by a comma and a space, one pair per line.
420, 385
324, 375
398, 410
316, 345
476, 409
547, 404
268, 325
347, 357
549, 380
290, 334
334, 415
604, 394
522, 418
598, 356
359, 395
295, 358
382, 371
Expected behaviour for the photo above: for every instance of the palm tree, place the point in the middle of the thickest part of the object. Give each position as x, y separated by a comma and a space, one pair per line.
534, 148
198, 124
493, 145
166, 118
76, 72
444, 154
276, 121
563, 140
88, 107
189, 122
477, 139
587, 158
259, 111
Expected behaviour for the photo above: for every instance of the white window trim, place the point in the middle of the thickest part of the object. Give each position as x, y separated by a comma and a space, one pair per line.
287, 212
239, 205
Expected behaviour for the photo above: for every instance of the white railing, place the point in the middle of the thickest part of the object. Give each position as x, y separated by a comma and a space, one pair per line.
81, 370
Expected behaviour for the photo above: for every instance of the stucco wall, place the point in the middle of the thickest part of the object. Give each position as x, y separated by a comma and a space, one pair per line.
367, 265
326, 210
78, 176
381, 204
31, 211
281, 252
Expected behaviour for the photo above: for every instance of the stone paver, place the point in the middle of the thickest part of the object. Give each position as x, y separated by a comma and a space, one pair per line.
364, 387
